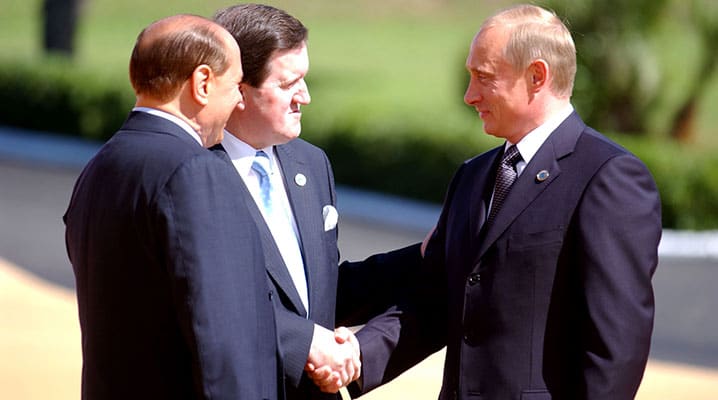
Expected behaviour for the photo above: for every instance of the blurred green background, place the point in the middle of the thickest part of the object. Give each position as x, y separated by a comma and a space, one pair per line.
387, 81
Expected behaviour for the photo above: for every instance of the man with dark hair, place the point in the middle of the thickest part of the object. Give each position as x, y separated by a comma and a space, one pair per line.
290, 193
169, 308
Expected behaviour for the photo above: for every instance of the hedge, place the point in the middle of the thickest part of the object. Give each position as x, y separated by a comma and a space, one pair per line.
410, 161
57, 96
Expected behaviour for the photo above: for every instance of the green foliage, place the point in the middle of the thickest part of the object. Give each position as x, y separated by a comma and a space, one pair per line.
412, 164
58, 97
687, 180
387, 82
394, 155
618, 75
642, 63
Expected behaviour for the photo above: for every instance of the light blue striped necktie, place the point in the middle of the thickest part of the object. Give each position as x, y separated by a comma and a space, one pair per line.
261, 167
279, 222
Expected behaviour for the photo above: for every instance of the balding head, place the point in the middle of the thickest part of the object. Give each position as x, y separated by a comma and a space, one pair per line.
190, 67
167, 52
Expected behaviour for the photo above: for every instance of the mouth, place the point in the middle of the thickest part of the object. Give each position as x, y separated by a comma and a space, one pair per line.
295, 109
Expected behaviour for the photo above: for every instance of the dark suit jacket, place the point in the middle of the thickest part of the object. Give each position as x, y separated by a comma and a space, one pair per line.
169, 307
321, 261
553, 300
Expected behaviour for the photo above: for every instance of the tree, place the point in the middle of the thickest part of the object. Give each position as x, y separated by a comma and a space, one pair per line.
704, 14
59, 25
621, 80
618, 76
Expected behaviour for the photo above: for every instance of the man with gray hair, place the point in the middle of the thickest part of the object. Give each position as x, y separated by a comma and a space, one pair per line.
537, 277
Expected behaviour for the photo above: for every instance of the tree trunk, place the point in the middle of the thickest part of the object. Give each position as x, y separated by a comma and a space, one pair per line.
59, 25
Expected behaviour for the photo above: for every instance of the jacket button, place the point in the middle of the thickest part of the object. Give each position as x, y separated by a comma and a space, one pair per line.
474, 279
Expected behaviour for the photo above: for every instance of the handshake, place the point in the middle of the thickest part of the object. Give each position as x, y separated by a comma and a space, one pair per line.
334, 359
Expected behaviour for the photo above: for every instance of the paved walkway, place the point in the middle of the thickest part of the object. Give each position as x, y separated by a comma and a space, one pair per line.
40, 355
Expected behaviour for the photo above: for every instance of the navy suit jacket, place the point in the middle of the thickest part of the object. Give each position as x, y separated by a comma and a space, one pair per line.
321, 262
169, 306
554, 300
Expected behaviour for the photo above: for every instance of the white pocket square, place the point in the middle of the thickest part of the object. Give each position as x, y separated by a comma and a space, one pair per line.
331, 216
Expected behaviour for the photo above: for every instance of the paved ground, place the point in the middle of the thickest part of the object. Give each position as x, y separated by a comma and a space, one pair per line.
39, 339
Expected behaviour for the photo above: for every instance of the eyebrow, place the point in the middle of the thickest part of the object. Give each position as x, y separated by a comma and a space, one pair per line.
292, 80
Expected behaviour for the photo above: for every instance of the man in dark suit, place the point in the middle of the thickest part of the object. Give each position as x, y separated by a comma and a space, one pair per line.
539, 269
299, 230
169, 308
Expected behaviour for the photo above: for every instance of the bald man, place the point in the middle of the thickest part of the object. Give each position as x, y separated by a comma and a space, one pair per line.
168, 308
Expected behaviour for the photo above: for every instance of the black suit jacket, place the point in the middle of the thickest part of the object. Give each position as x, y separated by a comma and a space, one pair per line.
553, 300
321, 260
169, 306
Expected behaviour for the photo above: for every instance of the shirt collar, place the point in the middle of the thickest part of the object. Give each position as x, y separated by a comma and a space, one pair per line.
178, 121
242, 154
530, 144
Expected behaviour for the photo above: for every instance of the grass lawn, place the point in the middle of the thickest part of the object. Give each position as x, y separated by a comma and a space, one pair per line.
375, 65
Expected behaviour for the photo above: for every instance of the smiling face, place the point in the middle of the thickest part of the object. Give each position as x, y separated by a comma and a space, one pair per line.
272, 112
498, 91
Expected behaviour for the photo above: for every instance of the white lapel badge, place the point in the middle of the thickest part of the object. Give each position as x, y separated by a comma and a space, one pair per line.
331, 217
300, 179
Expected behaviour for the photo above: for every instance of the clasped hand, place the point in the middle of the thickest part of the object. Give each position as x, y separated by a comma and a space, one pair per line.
334, 359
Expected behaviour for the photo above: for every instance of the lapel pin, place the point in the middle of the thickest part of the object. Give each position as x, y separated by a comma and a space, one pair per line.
542, 175
300, 179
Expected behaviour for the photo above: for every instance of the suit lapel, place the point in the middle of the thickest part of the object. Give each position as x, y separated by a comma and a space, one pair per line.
481, 193
304, 202
523, 192
527, 187
274, 263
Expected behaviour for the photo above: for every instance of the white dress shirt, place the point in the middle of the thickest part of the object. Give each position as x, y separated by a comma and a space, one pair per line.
532, 142
283, 227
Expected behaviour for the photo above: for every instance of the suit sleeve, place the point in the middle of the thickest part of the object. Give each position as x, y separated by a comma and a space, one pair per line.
383, 275
618, 230
414, 327
295, 339
220, 295
409, 330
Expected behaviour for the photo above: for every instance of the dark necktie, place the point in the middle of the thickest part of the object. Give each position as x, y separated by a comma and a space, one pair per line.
505, 177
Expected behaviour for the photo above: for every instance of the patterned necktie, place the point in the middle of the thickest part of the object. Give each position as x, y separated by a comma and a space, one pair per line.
505, 177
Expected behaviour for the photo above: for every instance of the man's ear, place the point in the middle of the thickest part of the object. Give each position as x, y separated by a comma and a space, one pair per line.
242, 105
200, 83
538, 74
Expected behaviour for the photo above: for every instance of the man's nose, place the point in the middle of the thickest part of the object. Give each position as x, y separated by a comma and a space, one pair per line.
471, 96
302, 96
